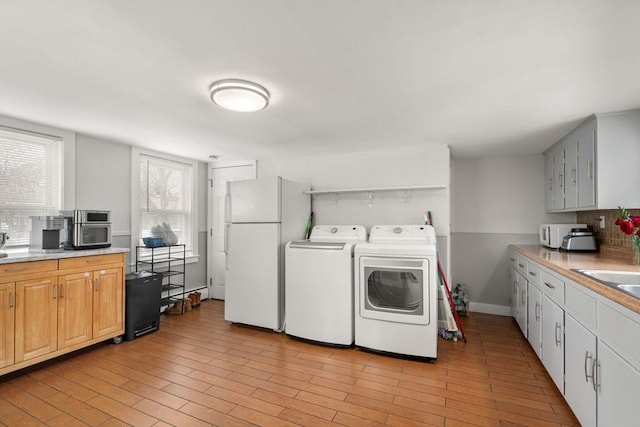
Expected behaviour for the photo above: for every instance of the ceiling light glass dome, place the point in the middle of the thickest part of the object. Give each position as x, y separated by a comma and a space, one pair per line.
239, 95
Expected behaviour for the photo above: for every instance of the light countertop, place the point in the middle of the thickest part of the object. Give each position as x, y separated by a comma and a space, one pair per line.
562, 263
36, 256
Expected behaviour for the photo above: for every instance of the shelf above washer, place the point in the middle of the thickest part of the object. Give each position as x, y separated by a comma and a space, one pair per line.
377, 189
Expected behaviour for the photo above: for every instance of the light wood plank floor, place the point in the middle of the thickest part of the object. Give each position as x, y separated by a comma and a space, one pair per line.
200, 370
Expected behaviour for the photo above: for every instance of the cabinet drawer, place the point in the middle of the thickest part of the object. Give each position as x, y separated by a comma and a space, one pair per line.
90, 261
581, 305
620, 328
552, 286
522, 265
513, 260
20, 268
533, 273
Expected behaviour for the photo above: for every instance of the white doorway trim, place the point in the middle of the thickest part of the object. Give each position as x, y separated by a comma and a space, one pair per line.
211, 208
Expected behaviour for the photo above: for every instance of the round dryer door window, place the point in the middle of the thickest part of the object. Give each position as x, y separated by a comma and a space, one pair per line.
394, 290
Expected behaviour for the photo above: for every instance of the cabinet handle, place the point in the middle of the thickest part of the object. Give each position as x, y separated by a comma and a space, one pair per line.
55, 292
14, 270
537, 311
549, 285
12, 299
573, 174
558, 336
515, 287
520, 265
590, 169
560, 180
586, 375
532, 273
594, 374
512, 259
62, 291
524, 298
97, 285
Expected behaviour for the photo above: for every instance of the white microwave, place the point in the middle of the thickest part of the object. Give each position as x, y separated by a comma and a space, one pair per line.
551, 235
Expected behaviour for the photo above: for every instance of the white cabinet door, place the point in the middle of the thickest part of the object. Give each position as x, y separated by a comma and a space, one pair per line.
522, 304
553, 338
513, 280
558, 178
618, 386
571, 171
534, 314
586, 156
548, 181
580, 356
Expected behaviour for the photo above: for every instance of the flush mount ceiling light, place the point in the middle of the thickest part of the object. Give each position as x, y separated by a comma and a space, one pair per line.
239, 95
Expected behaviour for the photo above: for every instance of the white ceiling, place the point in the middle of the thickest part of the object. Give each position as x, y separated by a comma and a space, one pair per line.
485, 77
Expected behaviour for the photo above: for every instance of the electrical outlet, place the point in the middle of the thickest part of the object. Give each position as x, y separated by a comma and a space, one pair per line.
601, 222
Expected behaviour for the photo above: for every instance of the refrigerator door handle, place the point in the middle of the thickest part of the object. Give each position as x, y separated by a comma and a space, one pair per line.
227, 206
227, 229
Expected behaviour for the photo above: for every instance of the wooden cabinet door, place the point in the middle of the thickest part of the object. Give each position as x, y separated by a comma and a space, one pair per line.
580, 356
75, 309
108, 302
36, 318
7, 323
553, 341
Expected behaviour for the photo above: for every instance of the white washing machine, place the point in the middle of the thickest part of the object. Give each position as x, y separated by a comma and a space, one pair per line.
319, 284
396, 291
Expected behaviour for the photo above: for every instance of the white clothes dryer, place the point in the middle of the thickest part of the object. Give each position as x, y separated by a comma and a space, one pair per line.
396, 291
319, 284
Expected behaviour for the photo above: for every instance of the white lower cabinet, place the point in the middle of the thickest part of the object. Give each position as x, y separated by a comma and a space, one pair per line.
521, 315
589, 344
618, 388
534, 314
553, 341
580, 358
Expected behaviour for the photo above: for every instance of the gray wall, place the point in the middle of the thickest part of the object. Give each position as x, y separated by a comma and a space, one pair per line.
495, 202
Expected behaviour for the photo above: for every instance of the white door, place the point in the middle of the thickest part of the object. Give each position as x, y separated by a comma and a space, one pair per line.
218, 178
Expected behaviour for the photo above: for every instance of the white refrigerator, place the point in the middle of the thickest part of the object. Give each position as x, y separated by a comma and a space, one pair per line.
262, 215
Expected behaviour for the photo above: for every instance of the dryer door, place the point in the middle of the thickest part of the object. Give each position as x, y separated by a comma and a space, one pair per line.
395, 289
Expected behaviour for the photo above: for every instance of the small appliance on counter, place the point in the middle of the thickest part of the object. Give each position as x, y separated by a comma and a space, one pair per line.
87, 229
579, 239
47, 234
3, 241
551, 235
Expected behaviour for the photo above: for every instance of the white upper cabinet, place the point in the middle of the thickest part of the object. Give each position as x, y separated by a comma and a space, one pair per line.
595, 165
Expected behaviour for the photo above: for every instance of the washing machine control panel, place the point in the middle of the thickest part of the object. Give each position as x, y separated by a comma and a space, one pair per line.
402, 234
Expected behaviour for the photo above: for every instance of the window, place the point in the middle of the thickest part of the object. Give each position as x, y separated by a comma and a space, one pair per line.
30, 180
165, 199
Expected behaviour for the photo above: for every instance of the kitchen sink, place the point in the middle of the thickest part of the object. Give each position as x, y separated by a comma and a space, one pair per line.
626, 281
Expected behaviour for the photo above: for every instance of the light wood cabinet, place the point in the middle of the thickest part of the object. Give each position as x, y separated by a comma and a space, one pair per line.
7, 323
53, 307
36, 330
75, 309
108, 302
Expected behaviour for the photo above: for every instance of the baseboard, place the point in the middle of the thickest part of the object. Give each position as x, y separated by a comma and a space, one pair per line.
499, 310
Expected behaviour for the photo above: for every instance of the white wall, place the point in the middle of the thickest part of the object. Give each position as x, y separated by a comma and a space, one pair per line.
495, 202
392, 167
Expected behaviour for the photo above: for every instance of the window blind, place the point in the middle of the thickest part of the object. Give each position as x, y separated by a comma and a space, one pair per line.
30, 180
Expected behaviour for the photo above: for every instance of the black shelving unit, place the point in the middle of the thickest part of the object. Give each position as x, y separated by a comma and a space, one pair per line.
170, 262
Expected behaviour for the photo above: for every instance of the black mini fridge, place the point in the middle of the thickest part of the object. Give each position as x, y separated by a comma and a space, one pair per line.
142, 307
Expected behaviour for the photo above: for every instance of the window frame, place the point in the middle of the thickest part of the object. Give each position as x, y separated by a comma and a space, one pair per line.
67, 161
136, 153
